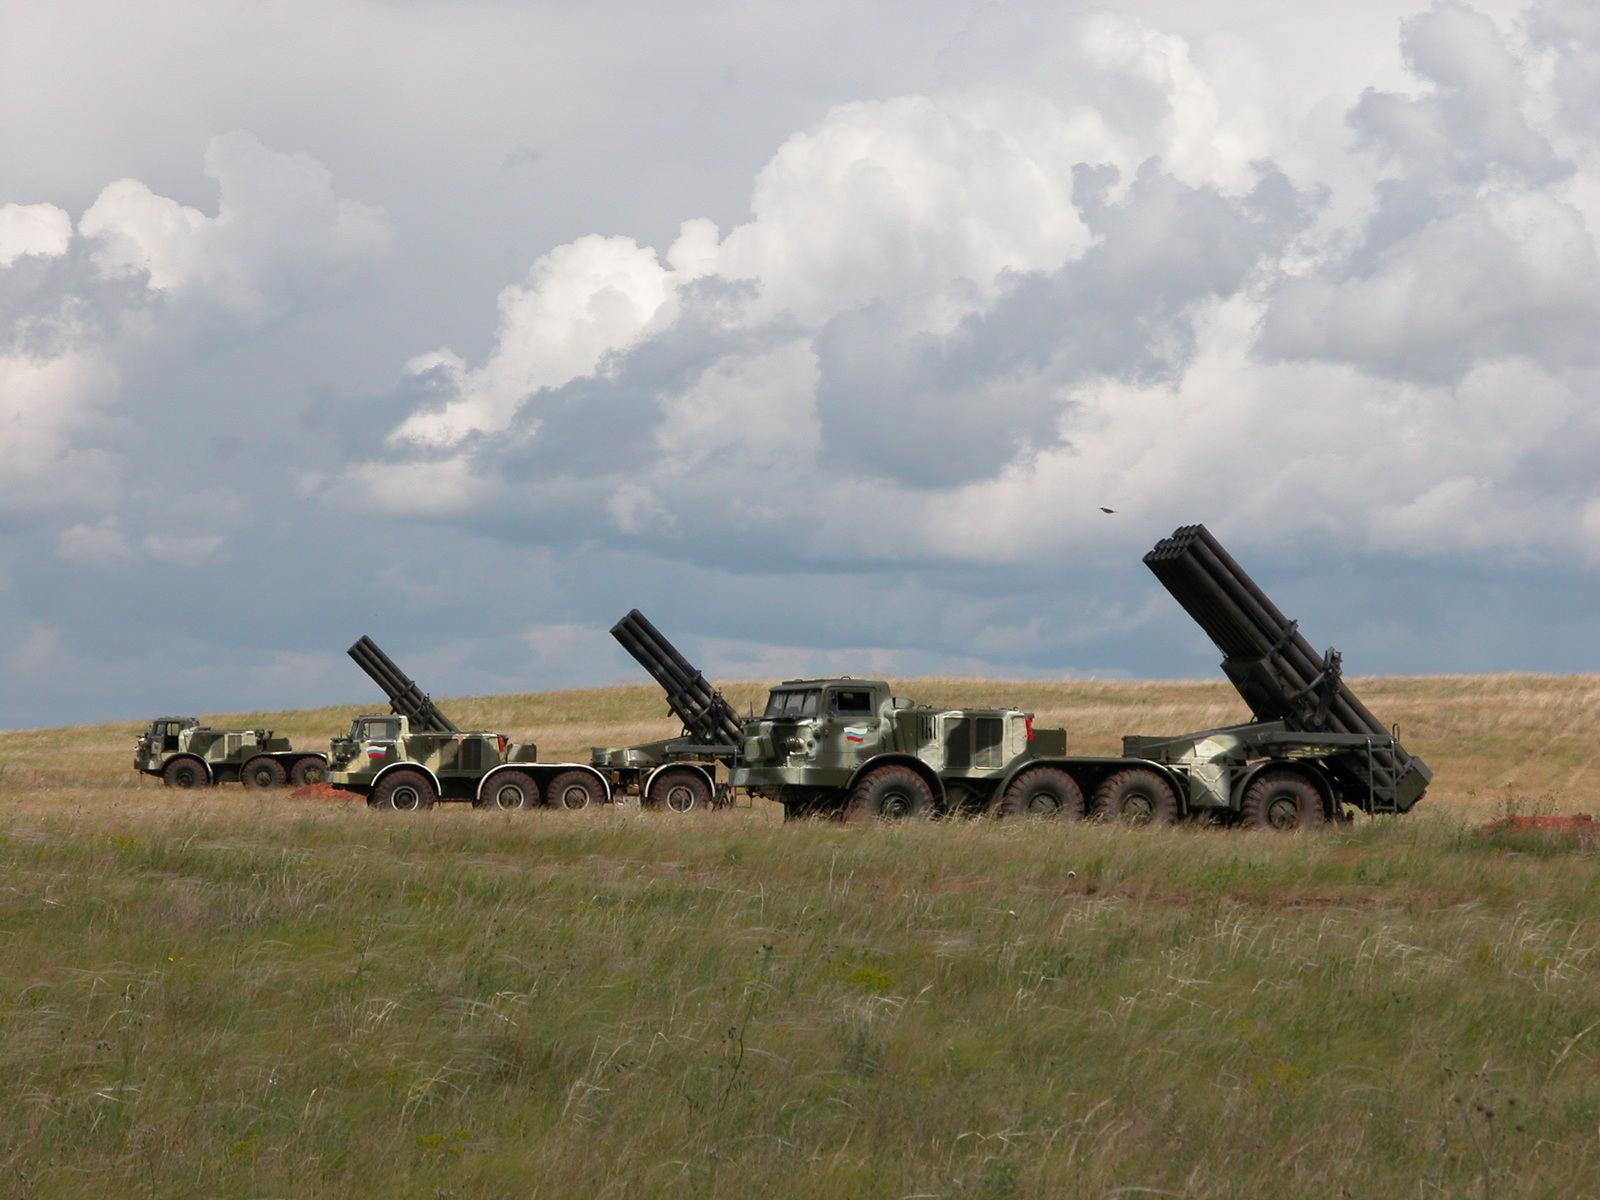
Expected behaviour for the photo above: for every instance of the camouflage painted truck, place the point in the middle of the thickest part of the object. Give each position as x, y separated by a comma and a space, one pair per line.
410, 758
183, 753
849, 747
846, 747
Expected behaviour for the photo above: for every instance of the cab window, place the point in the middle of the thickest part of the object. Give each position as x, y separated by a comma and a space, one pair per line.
380, 731
855, 702
791, 705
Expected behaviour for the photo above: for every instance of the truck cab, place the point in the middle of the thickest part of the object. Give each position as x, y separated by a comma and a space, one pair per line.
815, 732
380, 741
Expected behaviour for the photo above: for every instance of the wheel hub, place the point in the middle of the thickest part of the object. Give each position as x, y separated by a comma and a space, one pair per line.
896, 805
1283, 813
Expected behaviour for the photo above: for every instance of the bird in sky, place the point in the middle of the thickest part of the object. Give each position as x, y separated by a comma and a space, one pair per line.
1104, 509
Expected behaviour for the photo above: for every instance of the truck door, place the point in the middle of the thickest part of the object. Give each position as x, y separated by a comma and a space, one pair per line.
850, 723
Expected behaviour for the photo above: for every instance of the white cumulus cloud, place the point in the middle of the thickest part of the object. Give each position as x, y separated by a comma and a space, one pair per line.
41, 229
958, 322
280, 235
140, 267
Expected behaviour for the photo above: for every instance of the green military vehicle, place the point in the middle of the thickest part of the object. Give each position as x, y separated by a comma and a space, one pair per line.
414, 756
183, 753
848, 747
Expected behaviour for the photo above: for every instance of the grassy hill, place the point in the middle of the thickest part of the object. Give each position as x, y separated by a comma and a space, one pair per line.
216, 994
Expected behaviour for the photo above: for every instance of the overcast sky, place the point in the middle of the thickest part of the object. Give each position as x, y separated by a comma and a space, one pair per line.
820, 332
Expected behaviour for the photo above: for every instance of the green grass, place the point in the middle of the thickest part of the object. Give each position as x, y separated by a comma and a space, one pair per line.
224, 996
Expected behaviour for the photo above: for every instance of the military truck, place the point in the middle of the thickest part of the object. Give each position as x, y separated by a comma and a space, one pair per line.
848, 747
183, 753
413, 756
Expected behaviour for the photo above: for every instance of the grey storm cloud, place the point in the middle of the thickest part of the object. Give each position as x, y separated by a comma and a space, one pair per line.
934, 411
836, 369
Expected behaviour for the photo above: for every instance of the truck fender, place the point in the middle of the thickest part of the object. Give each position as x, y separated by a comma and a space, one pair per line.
708, 776
1178, 784
548, 771
901, 760
1309, 771
407, 766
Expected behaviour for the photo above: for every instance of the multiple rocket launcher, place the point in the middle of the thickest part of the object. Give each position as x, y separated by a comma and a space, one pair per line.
1308, 725
1272, 666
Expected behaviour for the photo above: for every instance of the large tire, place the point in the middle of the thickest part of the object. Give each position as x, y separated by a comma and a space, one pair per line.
1044, 793
263, 774
308, 772
679, 790
574, 790
403, 791
890, 794
186, 773
1283, 801
1136, 797
509, 791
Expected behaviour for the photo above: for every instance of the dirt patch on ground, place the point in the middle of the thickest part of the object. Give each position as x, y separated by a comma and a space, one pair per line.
1582, 825
324, 792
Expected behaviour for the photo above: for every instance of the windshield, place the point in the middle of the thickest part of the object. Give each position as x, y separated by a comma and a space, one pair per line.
794, 704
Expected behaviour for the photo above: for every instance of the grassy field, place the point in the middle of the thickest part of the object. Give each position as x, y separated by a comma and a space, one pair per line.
209, 994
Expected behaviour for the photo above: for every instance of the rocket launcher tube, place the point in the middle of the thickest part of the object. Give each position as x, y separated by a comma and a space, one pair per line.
405, 697
1267, 659
704, 713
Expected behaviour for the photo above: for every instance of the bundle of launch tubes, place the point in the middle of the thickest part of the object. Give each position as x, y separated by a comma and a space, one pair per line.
1298, 686
705, 714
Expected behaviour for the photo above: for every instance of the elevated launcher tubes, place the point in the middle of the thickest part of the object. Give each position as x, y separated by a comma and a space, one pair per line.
418, 756
1287, 685
405, 697
707, 718
684, 773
